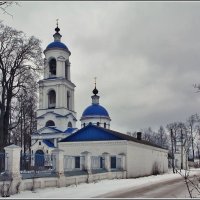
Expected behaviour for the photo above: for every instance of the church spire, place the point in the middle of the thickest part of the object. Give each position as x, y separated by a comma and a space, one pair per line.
95, 97
57, 29
57, 36
95, 91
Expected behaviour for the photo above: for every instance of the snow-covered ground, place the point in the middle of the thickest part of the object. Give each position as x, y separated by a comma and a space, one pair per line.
94, 189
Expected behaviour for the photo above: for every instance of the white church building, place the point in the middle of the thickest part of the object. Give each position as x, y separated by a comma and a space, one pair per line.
95, 147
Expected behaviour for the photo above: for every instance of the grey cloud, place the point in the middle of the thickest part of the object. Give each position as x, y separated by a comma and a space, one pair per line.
145, 55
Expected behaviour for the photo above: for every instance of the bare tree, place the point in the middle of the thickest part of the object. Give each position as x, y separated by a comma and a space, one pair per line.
192, 128
18, 54
162, 138
5, 4
159, 137
174, 127
147, 134
26, 110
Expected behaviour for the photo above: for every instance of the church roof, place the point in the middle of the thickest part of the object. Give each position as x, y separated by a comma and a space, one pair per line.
50, 112
48, 143
57, 44
70, 130
56, 115
96, 133
47, 129
95, 109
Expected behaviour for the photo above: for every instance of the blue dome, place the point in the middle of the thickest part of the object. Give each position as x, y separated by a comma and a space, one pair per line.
95, 109
57, 45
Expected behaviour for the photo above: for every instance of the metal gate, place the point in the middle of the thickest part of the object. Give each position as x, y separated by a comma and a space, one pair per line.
37, 165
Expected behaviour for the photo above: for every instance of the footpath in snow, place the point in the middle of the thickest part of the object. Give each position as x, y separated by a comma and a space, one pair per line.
90, 190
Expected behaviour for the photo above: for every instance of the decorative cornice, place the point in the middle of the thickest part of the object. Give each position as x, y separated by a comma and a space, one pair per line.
93, 143
58, 79
94, 116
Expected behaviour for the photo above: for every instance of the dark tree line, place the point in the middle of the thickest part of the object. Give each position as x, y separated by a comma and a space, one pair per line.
186, 133
159, 137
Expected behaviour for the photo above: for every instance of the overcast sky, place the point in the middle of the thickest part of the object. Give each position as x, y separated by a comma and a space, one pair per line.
145, 55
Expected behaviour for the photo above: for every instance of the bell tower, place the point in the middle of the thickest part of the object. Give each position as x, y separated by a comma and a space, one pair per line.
56, 90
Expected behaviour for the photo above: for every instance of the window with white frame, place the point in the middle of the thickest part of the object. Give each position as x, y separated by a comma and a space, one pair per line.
118, 162
97, 162
73, 163
69, 163
113, 162
77, 162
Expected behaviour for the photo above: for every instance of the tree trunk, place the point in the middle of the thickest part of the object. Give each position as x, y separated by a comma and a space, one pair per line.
172, 151
1, 134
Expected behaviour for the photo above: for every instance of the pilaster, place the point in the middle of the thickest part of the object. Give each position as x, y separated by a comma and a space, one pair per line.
106, 157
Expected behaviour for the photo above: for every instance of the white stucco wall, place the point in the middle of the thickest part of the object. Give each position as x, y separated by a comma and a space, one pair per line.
141, 159
95, 147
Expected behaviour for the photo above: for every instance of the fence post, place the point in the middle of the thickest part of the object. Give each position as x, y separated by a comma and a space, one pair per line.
58, 158
12, 167
87, 164
106, 157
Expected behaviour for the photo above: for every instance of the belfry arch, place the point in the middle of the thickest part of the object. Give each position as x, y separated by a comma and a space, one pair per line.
52, 67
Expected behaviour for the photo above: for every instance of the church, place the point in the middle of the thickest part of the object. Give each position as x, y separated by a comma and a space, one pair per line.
95, 147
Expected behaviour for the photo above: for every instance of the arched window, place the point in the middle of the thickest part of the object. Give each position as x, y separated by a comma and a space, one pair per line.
52, 67
52, 99
98, 123
104, 125
50, 123
68, 99
69, 124
67, 69
83, 124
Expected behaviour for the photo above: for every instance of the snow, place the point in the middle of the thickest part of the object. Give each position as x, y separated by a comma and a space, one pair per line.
94, 189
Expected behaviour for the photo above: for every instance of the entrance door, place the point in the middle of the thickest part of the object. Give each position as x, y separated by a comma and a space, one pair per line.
39, 159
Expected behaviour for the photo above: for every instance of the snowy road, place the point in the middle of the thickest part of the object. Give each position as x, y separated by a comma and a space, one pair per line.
169, 189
